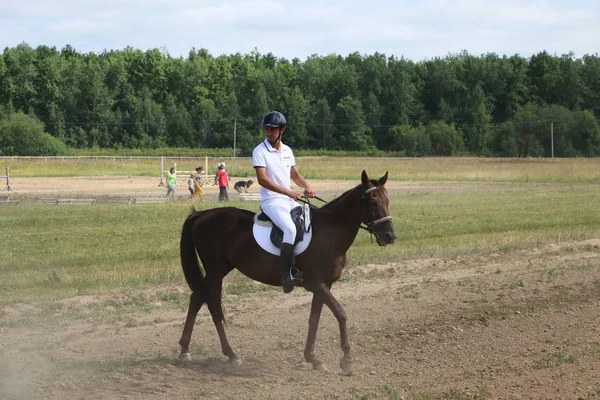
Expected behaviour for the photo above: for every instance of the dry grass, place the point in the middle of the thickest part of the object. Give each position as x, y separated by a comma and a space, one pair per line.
407, 169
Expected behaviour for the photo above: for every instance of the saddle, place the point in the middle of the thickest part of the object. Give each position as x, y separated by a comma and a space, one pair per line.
299, 218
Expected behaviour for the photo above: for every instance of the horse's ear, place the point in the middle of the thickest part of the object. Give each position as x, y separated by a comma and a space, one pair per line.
383, 179
364, 178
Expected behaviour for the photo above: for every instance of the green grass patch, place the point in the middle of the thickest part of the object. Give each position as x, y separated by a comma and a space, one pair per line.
551, 274
554, 360
465, 169
56, 252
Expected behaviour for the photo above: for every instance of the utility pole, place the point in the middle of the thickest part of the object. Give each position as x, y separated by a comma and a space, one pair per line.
234, 135
552, 138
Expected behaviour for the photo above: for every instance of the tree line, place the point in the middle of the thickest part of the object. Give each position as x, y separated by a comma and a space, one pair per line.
486, 105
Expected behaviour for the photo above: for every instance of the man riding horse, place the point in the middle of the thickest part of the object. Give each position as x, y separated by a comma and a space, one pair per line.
275, 168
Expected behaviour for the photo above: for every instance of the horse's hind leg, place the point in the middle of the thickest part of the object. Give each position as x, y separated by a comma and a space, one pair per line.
186, 336
216, 311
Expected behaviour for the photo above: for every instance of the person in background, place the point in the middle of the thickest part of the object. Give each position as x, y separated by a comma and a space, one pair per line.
221, 164
191, 185
198, 190
242, 186
171, 182
200, 175
275, 168
223, 180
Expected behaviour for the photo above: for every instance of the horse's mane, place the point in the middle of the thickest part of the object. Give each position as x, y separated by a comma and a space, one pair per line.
333, 203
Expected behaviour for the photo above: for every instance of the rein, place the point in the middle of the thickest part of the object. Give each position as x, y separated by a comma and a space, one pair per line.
367, 227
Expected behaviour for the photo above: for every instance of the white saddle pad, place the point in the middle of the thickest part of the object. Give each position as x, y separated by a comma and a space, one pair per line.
262, 235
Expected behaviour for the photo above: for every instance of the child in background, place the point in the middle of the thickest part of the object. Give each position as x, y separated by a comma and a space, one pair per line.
171, 182
191, 185
223, 180
198, 191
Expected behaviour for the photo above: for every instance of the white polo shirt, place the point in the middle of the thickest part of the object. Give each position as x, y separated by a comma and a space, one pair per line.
278, 164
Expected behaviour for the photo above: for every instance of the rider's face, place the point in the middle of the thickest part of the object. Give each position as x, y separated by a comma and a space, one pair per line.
273, 133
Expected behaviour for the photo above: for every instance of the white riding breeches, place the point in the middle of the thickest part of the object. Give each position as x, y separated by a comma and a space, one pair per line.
278, 210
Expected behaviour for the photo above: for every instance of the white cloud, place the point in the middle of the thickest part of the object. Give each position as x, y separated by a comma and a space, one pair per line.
414, 28
80, 26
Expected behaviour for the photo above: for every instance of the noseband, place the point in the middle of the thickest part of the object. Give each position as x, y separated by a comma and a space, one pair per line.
369, 226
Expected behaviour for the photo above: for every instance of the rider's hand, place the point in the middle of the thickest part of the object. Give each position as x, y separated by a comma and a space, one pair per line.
294, 195
308, 192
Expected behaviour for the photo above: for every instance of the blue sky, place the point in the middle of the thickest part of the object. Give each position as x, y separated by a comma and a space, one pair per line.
413, 29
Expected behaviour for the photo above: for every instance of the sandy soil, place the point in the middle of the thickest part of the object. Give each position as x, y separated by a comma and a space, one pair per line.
505, 325
134, 186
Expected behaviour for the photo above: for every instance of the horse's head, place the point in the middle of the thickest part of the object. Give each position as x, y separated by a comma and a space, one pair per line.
374, 210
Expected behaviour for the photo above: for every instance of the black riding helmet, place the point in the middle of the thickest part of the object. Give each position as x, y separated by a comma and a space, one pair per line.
275, 119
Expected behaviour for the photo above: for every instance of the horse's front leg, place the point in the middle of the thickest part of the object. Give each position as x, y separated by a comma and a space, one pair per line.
340, 315
313, 325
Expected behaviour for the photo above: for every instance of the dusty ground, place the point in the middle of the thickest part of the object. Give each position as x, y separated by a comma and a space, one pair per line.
134, 186
511, 325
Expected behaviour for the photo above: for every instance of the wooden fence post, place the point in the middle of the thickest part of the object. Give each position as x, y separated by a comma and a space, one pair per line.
8, 188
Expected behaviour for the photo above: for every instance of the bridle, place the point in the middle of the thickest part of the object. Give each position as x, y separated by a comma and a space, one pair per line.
369, 227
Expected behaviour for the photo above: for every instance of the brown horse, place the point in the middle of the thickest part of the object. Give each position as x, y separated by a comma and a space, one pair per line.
221, 239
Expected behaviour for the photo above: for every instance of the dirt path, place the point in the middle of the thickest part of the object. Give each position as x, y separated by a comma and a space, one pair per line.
135, 186
522, 324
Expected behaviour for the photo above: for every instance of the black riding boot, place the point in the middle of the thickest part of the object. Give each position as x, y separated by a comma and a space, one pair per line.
287, 262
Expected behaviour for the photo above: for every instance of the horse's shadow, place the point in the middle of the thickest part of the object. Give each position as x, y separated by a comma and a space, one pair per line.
219, 366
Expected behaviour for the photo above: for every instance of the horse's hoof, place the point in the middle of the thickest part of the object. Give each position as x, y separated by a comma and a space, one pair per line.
185, 357
346, 366
319, 366
235, 361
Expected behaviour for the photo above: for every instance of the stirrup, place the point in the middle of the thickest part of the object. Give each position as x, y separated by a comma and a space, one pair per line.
296, 275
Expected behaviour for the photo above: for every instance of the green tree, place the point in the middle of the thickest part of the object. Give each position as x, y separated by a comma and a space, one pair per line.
4, 84
21, 76
504, 143
296, 112
478, 132
529, 129
23, 135
353, 133
178, 124
49, 71
446, 140
399, 100
148, 125
321, 127
561, 119
590, 78
414, 141
586, 134
545, 78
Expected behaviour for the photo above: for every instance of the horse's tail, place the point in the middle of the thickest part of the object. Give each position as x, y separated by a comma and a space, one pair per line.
190, 262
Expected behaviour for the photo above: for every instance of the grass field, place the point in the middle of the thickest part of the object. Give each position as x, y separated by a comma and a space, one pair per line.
490, 291
58, 252
405, 169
